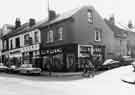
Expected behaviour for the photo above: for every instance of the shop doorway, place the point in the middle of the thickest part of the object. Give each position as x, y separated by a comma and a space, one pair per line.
70, 62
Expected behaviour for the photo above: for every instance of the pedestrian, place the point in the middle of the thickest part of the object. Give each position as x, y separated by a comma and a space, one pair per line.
49, 68
91, 69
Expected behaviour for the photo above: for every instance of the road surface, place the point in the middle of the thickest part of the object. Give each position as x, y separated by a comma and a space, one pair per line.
107, 83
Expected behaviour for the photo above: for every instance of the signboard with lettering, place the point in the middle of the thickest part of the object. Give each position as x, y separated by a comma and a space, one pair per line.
51, 51
85, 50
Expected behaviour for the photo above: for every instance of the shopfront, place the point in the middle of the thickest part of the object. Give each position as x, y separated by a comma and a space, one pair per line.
66, 58
85, 55
99, 52
59, 58
31, 55
5, 57
15, 57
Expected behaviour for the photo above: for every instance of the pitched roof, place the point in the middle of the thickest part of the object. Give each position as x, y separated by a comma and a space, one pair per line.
118, 32
45, 22
61, 17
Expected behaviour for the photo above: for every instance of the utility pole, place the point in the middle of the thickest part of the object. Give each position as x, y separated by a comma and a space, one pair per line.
48, 9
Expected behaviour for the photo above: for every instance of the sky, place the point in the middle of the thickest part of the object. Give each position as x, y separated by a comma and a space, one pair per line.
25, 9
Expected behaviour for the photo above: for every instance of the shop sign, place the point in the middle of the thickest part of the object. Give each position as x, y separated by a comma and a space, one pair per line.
51, 51
85, 50
14, 52
31, 48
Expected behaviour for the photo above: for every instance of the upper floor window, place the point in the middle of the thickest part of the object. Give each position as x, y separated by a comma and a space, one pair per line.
26, 39
90, 17
11, 44
50, 36
37, 36
98, 35
5, 44
60, 33
17, 42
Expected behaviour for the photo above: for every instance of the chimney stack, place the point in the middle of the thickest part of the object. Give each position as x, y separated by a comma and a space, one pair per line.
130, 24
51, 15
32, 22
17, 23
112, 20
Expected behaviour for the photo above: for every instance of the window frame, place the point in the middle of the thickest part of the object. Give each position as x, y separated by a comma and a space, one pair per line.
60, 31
26, 38
90, 16
50, 36
11, 43
36, 36
98, 34
17, 45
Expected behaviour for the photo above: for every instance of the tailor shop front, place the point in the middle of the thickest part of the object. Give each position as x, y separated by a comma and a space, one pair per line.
31, 55
15, 57
66, 58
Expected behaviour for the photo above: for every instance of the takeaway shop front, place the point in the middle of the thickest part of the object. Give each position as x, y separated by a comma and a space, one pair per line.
65, 58
60, 58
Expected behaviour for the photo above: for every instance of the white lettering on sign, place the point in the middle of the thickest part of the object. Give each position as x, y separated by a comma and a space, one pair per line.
31, 48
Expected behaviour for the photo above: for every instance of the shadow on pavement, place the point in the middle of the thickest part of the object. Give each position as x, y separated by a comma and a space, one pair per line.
47, 78
41, 78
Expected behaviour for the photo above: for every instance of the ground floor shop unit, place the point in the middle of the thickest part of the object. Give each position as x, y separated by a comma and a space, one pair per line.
61, 58
70, 57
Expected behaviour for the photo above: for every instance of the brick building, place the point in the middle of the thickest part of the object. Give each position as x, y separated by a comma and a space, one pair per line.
64, 41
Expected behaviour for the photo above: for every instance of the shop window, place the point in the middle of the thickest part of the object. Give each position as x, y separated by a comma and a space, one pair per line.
17, 42
97, 35
46, 63
50, 36
58, 62
90, 17
70, 61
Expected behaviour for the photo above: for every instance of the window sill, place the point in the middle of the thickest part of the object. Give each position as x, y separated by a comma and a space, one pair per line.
97, 40
48, 42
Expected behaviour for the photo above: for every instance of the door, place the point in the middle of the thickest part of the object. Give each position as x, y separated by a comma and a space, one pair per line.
70, 60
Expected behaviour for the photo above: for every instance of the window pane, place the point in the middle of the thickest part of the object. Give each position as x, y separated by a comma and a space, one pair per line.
17, 40
60, 33
50, 36
36, 37
90, 16
97, 35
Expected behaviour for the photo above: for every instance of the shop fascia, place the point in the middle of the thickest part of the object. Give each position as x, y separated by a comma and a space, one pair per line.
31, 48
85, 50
51, 51
18, 52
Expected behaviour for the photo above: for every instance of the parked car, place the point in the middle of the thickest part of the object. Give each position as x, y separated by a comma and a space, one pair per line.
3, 68
13, 69
108, 64
29, 69
133, 65
127, 58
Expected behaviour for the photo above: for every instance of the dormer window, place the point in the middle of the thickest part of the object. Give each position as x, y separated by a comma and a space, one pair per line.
50, 36
90, 17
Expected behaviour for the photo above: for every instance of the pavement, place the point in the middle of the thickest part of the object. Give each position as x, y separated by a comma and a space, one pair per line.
62, 74
105, 83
